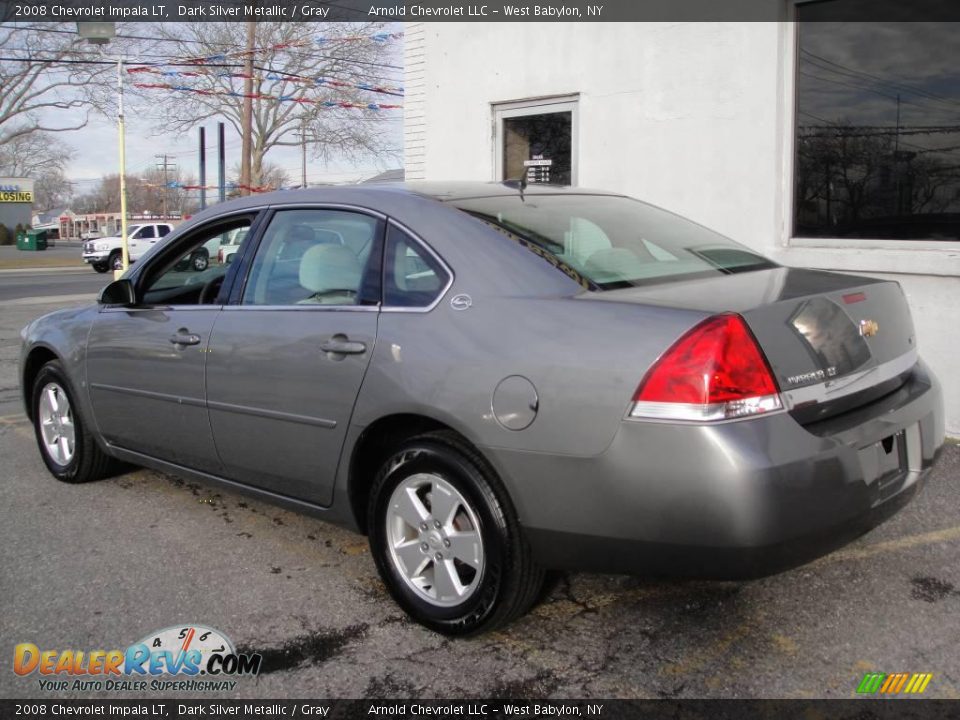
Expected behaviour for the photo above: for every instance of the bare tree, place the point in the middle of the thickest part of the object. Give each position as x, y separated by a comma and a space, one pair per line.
43, 157
272, 177
281, 73
49, 70
32, 154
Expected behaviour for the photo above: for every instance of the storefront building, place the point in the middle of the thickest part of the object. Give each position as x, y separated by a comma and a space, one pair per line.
16, 201
820, 144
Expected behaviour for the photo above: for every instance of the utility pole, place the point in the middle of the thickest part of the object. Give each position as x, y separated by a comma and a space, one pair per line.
221, 163
165, 166
247, 119
303, 152
203, 169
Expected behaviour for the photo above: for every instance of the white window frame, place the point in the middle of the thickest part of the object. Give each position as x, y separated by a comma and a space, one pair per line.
919, 257
536, 106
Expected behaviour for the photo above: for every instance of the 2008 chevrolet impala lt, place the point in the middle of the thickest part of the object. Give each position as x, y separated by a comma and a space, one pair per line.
490, 380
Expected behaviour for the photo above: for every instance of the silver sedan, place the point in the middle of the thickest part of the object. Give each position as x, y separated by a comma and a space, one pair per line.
490, 380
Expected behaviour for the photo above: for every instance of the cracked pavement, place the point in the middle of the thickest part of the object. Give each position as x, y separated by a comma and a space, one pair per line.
99, 566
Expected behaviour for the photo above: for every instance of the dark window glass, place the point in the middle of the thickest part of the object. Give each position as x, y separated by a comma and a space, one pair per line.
540, 146
412, 277
313, 257
163, 230
194, 275
877, 128
607, 242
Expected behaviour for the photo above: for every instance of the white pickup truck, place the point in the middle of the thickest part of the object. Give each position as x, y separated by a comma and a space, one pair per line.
105, 253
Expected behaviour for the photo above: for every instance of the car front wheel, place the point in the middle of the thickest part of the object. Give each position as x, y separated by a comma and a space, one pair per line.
101, 267
68, 449
116, 260
446, 540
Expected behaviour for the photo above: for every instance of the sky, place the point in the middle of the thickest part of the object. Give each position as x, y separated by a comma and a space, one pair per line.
97, 154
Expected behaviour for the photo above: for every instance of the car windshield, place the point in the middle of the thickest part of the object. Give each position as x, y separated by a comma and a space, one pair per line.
608, 242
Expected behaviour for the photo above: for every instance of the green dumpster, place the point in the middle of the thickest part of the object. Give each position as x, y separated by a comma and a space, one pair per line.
32, 240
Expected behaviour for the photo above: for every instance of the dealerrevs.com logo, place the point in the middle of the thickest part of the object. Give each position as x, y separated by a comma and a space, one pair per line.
187, 657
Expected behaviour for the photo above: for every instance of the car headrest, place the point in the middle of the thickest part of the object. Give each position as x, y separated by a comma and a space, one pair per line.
330, 267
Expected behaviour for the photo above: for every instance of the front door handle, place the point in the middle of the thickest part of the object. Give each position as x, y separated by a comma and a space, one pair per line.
182, 337
340, 345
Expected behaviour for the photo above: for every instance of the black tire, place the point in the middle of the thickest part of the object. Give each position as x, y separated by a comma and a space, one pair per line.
510, 580
88, 462
200, 260
115, 260
101, 267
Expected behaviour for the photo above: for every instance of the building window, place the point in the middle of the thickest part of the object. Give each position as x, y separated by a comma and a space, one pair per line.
538, 139
877, 152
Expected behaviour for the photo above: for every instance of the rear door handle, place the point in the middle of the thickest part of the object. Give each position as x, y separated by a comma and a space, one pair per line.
340, 345
183, 337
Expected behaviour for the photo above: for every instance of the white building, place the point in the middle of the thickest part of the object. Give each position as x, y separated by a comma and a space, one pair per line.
727, 124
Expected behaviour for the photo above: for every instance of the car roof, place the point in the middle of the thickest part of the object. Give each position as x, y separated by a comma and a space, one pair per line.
442, 191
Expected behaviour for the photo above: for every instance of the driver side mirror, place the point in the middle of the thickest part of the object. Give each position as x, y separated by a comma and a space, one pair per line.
119, 292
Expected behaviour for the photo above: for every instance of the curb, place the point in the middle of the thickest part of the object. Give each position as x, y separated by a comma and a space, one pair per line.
52, 269
53, 300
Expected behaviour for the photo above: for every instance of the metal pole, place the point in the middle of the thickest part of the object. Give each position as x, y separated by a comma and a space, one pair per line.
221, 163
203, 169
124, 245
303, 152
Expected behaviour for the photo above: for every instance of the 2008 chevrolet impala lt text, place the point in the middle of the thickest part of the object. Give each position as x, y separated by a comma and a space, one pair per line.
491, 380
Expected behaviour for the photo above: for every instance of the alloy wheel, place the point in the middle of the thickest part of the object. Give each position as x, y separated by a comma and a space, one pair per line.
434, 540
56, 424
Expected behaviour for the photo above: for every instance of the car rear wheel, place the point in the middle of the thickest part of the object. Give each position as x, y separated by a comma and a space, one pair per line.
446, 540
68, 449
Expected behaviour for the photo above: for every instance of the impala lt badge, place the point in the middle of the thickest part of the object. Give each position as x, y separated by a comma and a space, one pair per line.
869, 328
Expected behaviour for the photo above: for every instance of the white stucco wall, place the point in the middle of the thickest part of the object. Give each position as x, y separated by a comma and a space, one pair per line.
695, 117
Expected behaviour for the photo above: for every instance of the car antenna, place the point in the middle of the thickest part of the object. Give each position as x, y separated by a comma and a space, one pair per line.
519, 183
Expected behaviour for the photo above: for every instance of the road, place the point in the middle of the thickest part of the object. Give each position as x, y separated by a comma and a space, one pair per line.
16, 285
100, 566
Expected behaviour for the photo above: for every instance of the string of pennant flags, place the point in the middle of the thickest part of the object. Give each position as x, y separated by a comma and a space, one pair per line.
264, 96
380, 38
177, 185
315, 82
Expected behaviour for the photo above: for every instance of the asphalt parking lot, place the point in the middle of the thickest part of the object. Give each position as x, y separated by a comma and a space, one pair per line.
99, 566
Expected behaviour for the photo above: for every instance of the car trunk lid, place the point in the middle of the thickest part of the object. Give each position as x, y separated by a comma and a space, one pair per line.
833, 341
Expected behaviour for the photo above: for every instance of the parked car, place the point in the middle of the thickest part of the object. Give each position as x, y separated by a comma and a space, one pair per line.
489, 381
199, 259
229, 245
106, 253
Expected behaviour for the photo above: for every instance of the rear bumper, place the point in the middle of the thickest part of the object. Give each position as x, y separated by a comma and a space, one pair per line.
728, 500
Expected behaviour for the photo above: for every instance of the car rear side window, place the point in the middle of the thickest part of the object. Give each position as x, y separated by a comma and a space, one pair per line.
316, 257
412, 276
608, 242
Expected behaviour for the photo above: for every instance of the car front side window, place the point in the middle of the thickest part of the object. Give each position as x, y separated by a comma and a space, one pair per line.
190, 274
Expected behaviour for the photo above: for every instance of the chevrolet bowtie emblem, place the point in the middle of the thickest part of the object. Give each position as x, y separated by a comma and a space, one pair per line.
869, 328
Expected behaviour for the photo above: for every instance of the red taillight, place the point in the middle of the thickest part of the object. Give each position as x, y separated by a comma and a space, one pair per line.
714, 372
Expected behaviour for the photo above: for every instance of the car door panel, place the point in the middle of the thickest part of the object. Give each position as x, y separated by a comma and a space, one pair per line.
279, 403
288, 356
147, 389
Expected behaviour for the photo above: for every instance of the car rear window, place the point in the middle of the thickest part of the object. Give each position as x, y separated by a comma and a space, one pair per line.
608, 242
